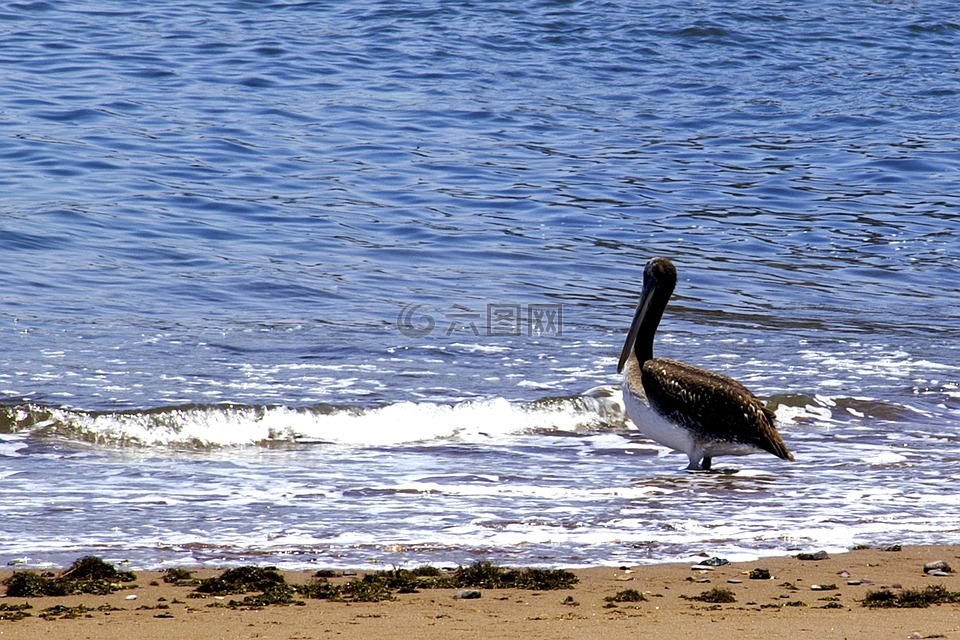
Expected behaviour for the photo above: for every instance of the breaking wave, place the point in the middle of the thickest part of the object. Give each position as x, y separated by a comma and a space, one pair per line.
212, 426
201, 427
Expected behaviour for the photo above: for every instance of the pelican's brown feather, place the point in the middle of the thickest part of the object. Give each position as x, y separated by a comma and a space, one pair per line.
712, 405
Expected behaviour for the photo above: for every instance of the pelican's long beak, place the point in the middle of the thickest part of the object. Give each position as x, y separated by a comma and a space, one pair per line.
643, 308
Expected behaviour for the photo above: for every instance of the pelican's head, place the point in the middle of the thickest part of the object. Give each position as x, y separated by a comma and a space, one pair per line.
659, 280
660, 273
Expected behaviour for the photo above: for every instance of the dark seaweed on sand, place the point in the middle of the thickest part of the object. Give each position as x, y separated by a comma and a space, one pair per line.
63, 612
14, 612
627, 595
717, 595
374, 587
275, 590
480, 575
241, 580
87, 575
271, 584
487, 575
93, 568
910, 598
181, 578
268, 586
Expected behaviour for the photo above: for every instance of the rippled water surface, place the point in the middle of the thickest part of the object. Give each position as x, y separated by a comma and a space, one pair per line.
344, 283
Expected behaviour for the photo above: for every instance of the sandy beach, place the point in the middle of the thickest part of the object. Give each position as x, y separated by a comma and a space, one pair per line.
814, 598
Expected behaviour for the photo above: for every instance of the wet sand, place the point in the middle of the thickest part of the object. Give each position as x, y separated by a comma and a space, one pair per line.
787, 605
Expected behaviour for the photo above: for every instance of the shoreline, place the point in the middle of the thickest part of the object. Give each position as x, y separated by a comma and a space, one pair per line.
816, 598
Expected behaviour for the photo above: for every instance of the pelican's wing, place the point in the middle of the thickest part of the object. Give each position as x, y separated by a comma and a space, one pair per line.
710, 404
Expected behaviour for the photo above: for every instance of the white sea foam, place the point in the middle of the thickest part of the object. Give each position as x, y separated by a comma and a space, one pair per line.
789, 415
885, 457
399, 423
533, 491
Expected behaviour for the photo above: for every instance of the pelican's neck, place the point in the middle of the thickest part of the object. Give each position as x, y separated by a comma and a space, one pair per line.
643, 347
659, 279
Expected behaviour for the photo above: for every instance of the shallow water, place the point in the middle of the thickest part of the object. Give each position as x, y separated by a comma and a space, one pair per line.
311, 284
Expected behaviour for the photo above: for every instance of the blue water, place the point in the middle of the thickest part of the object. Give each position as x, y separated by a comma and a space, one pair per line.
344, 283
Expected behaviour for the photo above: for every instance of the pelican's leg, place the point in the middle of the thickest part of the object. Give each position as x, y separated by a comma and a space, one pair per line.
707, 461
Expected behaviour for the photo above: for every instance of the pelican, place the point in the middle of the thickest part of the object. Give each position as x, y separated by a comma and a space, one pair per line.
691, 410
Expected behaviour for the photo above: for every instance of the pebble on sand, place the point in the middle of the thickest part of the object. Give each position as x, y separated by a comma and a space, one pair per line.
937, 568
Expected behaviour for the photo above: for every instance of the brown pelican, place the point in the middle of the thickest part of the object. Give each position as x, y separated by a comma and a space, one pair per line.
689, 409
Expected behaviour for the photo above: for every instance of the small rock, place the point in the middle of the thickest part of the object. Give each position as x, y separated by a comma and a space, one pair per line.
165, 614
735, 581
844, 574
467, 594
327, 573
854, 583
939, 574
894, 547
132, 596
939, 565
823, 587
760, 573
715, 562
701, 567
819, 555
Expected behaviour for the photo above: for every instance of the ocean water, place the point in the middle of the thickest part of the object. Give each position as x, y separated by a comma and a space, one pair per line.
343, 284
